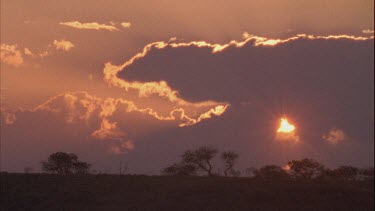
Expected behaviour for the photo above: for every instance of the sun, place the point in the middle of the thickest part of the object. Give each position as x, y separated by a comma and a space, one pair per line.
285, 126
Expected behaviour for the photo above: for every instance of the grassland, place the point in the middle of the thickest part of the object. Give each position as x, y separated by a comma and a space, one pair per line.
136, 192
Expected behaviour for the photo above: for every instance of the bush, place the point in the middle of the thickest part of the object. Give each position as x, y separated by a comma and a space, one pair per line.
63, 163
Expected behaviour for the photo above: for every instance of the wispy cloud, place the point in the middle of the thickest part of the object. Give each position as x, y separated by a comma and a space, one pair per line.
28, 52
11, 55
334, 136
81, 106
108, 130
63, 45
89, 26
368, 31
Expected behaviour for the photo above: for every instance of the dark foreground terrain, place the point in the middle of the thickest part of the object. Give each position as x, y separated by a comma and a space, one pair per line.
114, 192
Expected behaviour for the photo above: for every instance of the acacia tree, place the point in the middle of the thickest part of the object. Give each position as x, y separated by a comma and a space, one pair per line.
63, 163
305, 168
229, 158
200, 158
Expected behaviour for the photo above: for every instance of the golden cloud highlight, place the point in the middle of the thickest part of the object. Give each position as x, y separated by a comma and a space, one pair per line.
89, 26
80, 106
108, 130
63, 45
11, 55
126, 24
28, 52
368, 31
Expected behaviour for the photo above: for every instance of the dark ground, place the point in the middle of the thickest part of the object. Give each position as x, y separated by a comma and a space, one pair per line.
114, 192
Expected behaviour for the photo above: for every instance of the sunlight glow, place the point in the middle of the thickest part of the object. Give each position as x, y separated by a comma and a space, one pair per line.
285, 126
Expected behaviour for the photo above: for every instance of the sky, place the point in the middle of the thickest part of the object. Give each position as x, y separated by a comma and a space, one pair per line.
143, 81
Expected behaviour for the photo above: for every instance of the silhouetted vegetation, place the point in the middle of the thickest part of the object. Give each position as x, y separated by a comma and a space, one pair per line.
180, 169
305, 169
63, 163
301, 185
230, 158
194, 161
127, 192
349, 173
271, 172
199, 160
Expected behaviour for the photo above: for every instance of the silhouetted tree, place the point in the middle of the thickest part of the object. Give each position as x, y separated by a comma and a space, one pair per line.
346, 173
305, 168
81, 167
180, 169
271, 172
229, 158
200, 158
64, 163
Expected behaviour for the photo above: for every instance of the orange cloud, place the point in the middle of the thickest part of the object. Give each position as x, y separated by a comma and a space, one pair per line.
11, 55
63, 45
334, 136
80, 106
368, 31
126, 24
108, 130
89, 26
28, 52
123, 148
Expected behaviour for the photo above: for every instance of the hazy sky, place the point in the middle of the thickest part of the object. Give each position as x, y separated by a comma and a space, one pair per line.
143, 81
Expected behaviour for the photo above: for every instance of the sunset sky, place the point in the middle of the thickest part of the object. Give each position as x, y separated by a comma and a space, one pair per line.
143, 81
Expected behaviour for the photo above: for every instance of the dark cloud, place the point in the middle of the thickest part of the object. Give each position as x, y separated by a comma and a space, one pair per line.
319, 84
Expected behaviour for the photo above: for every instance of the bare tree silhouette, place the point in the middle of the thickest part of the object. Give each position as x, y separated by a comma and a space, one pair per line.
229, 158
201, 158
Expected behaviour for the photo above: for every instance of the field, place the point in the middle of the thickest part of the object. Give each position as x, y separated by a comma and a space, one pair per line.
131, 192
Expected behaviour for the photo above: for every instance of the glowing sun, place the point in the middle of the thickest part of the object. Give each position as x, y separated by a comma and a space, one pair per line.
285, 126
